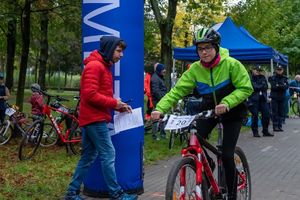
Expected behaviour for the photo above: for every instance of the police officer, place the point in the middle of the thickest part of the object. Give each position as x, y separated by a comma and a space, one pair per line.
257, 102
279, 85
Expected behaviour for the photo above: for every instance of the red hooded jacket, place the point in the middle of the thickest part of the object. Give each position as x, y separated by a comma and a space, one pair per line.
96, 91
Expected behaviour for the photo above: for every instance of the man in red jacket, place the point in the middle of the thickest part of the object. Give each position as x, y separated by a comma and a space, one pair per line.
96, 103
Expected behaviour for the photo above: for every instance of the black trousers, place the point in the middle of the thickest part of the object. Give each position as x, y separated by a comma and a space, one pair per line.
230, 137
277, 112
262, 107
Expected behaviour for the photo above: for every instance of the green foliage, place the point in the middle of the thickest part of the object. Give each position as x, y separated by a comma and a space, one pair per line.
274, 23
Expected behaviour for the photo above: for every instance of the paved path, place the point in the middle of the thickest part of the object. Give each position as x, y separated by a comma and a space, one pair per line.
274, 164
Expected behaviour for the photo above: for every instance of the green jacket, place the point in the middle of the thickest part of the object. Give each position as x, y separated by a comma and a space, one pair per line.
228, 83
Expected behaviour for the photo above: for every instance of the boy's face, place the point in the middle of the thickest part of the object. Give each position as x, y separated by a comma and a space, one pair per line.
118, 54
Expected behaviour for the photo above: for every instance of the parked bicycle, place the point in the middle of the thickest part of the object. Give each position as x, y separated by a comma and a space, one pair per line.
192, 176
296, 104
50, 137
15, 122
35, 134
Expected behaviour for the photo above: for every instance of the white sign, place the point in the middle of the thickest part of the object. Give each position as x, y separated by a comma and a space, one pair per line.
124, 121
10, 111
177, 122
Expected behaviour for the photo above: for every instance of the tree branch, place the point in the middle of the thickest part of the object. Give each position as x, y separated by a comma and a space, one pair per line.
51, 9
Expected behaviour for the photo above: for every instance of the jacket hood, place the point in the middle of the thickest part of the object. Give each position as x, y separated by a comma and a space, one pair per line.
224, 53
108, 44
95, 56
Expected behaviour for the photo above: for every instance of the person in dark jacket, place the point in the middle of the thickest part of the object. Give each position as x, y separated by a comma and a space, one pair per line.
279, 85
96, 103
158, 85
4, 95
158, 90
257, 102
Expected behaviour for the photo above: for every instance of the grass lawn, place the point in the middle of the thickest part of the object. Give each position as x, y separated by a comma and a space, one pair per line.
47, 175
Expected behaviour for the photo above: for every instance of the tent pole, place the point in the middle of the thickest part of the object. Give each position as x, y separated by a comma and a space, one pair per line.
272, 67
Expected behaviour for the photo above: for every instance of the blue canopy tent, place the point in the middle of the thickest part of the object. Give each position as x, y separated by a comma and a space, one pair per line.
241, 45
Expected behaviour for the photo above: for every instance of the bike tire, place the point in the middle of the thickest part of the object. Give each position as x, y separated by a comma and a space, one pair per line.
296, 108
31, 141
6, 133
242, 169
173, 187
75, 147
50, 136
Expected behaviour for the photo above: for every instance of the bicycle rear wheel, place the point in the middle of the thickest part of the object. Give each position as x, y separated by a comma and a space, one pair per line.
31, 141
243, 175
50, 137
6, 132
75, 134
184, 169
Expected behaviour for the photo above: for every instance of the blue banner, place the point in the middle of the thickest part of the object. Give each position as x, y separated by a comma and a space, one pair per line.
124, 19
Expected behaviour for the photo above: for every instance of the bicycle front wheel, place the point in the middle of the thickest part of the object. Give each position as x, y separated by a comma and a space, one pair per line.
50, 136
6, 132
30, 141
181, 183
172, 138
243, 175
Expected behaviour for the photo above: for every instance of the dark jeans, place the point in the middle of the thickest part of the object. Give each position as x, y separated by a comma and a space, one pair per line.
2, 116
96, 141
255, 108
230, 136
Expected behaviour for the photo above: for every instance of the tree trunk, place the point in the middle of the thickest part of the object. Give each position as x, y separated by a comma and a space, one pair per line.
11, 50
25, 27
66, 79
44, 49
166, 29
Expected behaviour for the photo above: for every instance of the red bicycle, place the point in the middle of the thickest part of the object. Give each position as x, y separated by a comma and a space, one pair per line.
192, 176
36, 133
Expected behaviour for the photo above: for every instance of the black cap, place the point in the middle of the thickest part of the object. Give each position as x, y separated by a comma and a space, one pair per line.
258, 68
279, 67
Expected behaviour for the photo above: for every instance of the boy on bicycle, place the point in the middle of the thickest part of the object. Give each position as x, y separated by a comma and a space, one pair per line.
224, 85
36, 101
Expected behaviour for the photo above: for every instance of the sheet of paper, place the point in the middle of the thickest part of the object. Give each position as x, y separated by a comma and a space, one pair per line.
178, 122
125, 121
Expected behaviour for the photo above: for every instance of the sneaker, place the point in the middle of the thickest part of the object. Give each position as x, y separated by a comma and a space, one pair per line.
129, 197
256, 135
70, 196
268, 134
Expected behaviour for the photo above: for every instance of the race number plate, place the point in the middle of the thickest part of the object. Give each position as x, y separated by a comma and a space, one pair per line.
178, 122
10, 111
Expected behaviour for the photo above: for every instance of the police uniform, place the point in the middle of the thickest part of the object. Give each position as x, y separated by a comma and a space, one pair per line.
257, 102
279, 85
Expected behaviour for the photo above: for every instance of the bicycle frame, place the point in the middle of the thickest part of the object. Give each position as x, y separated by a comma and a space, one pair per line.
196, 152
65, 138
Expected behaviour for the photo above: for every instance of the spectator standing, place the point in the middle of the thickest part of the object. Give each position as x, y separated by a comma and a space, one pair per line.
4, 95
257, 102
147, 91
158, 90
96, 103
279, 85
295, 85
